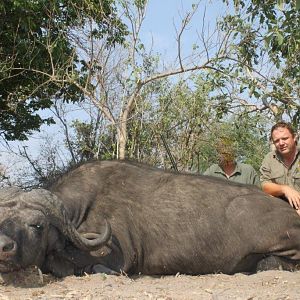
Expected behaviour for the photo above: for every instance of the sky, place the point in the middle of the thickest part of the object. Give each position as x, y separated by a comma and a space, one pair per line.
158, 30
163, 16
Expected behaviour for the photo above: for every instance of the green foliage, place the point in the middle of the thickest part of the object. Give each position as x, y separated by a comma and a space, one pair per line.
91, 142
190, 114
140, 3
192, 118
267, 41
36, 55
247, 134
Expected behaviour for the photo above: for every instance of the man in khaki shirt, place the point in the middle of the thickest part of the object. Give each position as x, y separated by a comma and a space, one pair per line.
228, 168
280, 169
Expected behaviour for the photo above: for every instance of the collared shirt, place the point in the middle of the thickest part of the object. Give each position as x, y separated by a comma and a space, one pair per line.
243, 173
274, 170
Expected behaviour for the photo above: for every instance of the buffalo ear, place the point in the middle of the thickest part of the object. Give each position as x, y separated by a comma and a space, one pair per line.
56, 240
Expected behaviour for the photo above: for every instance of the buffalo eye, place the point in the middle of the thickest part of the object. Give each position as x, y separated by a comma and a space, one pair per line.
37, 227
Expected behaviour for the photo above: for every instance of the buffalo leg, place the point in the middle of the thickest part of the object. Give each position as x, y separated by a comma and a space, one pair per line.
273, 262
102, 269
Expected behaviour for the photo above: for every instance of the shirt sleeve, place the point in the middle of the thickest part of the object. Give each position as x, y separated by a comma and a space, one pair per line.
265, 171
255, 178
208, 171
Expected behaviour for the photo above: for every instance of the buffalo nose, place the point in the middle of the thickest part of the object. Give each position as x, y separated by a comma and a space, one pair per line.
8, 247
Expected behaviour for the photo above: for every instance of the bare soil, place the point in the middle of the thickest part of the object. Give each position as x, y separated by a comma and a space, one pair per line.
31, 284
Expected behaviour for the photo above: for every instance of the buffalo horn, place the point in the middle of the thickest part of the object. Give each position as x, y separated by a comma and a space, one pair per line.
55, 210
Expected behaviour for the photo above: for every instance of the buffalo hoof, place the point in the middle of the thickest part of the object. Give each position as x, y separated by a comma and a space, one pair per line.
277, 263
102, 269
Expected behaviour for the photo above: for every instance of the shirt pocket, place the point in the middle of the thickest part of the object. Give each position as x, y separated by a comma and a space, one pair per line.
277, 176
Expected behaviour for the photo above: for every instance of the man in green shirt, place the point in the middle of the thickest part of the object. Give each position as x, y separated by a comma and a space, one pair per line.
280, 169
228, 168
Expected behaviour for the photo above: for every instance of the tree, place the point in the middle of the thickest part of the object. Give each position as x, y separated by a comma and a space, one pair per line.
134, 99
183, 115
192, 119
116, 79
267, 44
35, 47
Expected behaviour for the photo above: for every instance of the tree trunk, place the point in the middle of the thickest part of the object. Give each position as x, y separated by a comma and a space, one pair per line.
122, 139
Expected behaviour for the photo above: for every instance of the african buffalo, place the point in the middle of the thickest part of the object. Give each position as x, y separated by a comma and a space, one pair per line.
117, 216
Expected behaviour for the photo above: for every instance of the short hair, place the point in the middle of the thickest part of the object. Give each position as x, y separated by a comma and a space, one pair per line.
283, 124
225, 145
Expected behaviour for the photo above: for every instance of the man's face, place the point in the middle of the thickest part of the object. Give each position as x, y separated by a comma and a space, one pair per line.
225, 158
284, 141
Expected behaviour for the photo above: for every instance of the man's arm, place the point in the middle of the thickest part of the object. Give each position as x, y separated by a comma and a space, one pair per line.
279, 190
275, 189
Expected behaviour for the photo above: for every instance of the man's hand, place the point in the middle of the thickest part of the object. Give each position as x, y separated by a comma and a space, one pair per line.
292, 196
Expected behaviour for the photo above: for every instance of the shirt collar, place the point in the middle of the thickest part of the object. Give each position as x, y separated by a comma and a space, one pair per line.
280, 158
236, 170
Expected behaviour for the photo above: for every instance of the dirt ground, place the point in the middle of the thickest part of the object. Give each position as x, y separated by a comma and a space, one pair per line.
31, 284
